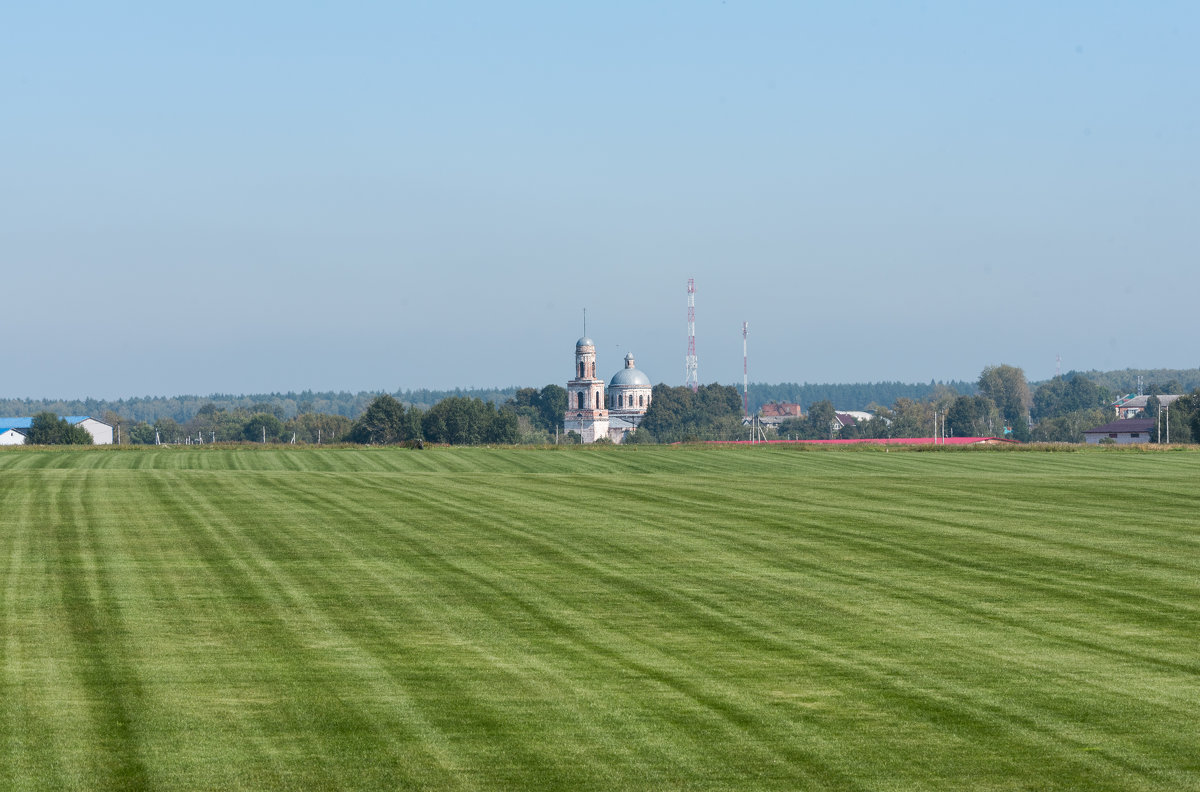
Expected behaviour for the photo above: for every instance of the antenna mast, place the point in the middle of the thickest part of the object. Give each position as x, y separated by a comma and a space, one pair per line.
692, 377
745, 374
1058, 366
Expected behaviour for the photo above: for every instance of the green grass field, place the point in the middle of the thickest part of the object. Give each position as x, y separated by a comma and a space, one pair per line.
599, 619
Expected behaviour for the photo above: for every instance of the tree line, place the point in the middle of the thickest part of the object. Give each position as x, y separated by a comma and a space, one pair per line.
529, 415
182, 409
1000, 403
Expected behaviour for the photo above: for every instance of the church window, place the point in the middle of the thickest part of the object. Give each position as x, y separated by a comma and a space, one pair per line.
640, 402
580, 407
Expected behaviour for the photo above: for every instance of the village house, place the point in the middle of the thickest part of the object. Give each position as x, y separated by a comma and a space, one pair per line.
1123, 432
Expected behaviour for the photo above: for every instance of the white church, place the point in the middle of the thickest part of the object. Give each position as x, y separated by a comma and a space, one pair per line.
593, 415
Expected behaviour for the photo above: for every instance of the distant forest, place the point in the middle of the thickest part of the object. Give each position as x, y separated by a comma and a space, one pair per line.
853, 396
282, 405
1153, 380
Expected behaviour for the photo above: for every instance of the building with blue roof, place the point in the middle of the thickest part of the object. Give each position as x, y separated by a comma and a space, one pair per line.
13, 430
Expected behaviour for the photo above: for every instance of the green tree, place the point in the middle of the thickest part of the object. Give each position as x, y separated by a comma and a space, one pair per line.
312, 427
384, 422
44, 430
909, 418
677, 414
552, 404
1063, 395
459, 420
118, 424
539, 411
262, 425
141, 433
1006, 386
971, 416
168, 429
1183, 416
48, 429
821, 419
817, 424
1069, 428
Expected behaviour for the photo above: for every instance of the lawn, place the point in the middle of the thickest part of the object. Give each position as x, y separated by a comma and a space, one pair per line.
702, 618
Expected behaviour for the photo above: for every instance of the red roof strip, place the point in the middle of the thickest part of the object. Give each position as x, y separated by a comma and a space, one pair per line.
875, 441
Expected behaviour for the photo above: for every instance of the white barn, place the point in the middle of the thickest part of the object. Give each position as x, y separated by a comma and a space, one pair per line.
9, 436
102, 433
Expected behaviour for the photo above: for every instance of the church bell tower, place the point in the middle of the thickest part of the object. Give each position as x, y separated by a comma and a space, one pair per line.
586, 413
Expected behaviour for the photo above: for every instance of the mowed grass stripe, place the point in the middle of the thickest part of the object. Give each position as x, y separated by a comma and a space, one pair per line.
508, 592
68, 689
335, 711
28, 736
989, 572
816, 620
640, 649
237, 671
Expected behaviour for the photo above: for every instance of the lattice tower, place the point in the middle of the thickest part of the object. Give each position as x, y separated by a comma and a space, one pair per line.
691, 376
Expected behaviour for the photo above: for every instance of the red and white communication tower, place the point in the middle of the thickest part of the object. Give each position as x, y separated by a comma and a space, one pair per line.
745, 374
691, 377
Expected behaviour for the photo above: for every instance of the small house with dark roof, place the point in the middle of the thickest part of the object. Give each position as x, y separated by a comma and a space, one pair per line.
1123, 432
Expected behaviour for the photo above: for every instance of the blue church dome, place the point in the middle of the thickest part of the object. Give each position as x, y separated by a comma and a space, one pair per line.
629, 377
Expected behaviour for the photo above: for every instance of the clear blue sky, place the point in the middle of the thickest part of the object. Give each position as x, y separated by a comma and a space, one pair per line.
247, 197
